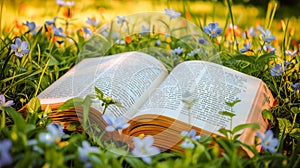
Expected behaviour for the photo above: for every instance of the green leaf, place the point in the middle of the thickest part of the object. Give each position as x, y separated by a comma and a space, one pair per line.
267, 115
100, 94
231, 104
295, 110
77, 101
224, 132
244, 126
264, 57
284, 126
245, 58
295, 133
33, 105
227, 113
18, 119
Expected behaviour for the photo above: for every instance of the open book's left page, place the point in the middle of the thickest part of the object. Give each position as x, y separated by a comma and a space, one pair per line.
126, 77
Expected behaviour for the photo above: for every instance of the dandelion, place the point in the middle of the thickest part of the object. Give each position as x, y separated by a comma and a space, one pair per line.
296, 87
31, 26
143, 148
5, 157
5, 104
58, 32
92, 21
268, 142
277, 70
266, 35
177, 51
114, 124
246, 48
20, 47
54, 134
172, 13
85, 151
121, 19
212, 29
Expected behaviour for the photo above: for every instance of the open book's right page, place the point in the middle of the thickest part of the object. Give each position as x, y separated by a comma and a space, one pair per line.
195, 92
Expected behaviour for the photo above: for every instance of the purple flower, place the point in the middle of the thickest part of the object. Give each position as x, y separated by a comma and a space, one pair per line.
246, 48
177, 51
296, 86
92, 21
157, 42
114, 124
266, 35
172, 13
269, 49
268, 142
58, 32
51, 22
20, 47
291, 53
5, 157
212, 29
191, 134
85, 151
5, 104
31, 26
187, 144
54, 134
65, 3
121, 19
87, 32
277, 70
143, 148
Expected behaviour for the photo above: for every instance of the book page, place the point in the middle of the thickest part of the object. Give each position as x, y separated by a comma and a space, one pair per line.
126, 77
208, 86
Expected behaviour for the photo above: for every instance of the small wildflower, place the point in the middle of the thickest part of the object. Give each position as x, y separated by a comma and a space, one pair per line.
114, 124
143, 148
291, 53
187, 144
31, 26
92, 21
268, 142
269, 49
249, 33
201, 40
277, 70
266, 35
158, 43
237, 31
65, 3
58, 32
20, 47
5, 157
177, 51
191, 134
85, 151
121, 19
172, 13
194, 52
145, 29
296, 87
51, 22
87, 32
246, 48
54, 134
212, 30
5, 104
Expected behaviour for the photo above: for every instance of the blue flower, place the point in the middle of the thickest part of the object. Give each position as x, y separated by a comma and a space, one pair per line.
246, 48
121, 19
157, 42
191, 134
269, 49
201, 40
172, 13
212, 29
20, 47
5, 157
58, 32
145, 29
87, 32
177, 51
143, 148
296, 86
63, 3
5, 104
291, 53
84, 152
266, 35
54, 134
268, 142
277, 70
114, 124
92, 21
194, 52
31, 26
187, 144
51, 22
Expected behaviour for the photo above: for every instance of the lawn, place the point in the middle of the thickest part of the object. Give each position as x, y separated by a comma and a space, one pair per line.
41, 41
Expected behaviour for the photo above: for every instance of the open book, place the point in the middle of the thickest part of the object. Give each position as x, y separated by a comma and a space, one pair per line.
153, 100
